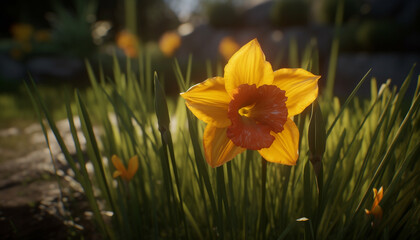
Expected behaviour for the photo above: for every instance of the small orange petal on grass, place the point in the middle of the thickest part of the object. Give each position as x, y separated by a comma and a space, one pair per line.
116, 174
116, 161
133, 166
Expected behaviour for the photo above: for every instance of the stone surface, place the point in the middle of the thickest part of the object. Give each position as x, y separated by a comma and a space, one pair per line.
31, 201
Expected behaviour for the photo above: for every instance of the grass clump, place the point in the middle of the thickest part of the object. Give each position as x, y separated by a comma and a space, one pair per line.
365, 143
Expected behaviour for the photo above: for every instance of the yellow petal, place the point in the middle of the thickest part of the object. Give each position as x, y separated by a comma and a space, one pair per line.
300, 85
209, 101
377, 196
218, 148
380, 193
284, 149
118, 164
116, 174
248, 66
133, 165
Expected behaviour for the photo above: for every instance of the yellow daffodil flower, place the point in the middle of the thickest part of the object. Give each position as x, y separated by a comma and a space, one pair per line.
376, 209
169, 43
251, 108
227, 47
125, 173
129, 43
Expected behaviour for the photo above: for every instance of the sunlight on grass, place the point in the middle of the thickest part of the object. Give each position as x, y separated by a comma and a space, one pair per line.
346, 150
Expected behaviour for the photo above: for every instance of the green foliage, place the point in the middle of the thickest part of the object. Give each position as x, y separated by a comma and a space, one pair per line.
72, 30
286, 13
175, 194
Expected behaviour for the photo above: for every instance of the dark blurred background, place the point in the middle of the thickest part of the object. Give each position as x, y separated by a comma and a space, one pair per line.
50, 40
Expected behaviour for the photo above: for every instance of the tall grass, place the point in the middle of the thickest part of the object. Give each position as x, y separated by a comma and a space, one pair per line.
345, 150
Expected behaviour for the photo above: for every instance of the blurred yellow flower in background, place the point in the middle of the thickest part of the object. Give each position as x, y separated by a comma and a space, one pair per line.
129, 43
251, 107
125, 173
376, 210
227, 47
22, 32
169, 42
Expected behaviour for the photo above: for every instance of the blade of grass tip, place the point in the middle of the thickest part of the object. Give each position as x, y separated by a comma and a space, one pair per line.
315, 57
116, 67
293, 53
418, 87
389, 152
162, 114
188, 73
348, 100
399, 98
179, 77
332, 67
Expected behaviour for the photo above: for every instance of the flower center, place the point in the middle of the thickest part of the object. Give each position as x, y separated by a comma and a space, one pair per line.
254, 113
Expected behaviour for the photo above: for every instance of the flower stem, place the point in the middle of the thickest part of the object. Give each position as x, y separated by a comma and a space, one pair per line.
263, 219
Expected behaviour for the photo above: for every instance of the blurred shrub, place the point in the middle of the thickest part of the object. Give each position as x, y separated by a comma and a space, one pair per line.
221, 14
379, 35
154, 17
286, 13
327, 9
72, 30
